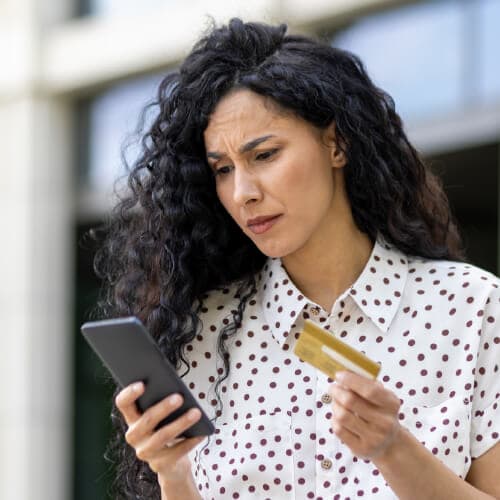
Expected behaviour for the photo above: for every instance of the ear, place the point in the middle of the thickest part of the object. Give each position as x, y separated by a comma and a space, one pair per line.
337, 149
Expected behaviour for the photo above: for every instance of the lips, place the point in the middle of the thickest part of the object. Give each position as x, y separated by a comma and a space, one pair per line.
260, 225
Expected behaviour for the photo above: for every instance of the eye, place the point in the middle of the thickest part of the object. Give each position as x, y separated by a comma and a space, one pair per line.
266, 155
223, 170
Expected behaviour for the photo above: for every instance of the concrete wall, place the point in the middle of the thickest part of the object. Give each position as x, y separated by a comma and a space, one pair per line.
36, 219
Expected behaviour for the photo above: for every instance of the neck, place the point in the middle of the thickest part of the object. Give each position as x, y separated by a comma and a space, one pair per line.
322, 272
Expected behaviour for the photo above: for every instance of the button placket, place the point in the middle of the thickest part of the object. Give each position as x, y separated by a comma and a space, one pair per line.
326, 464
317, 314
315, 311
323, 388
324, 438
326, 398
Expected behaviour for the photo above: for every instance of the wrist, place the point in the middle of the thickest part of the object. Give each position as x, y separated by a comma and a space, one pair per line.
392, 454
179, 487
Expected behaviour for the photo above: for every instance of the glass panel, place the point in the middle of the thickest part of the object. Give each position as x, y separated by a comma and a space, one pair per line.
415, 54
113, 117
117, 8
489, 45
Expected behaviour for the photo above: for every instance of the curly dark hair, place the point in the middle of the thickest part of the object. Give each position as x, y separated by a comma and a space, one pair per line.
170, 241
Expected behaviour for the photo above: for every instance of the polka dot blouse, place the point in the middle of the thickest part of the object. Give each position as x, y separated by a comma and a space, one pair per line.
433, 326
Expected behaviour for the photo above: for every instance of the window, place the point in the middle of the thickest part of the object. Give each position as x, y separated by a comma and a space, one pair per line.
109, 123
434, 58
488, 45
120, 8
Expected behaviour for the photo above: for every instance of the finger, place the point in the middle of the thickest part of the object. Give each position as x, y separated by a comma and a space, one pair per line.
155, 447
349, 438
371, 390
125, 402
185, 446
144, 426
354, 403
173, 430
175, 441
156, 413
344, 419
173, 455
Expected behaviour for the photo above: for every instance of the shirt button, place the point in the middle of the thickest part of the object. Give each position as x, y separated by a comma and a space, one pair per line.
326, 398
315, 311
326, 464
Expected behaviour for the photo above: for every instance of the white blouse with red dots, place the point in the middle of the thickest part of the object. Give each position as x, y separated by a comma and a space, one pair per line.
432, 325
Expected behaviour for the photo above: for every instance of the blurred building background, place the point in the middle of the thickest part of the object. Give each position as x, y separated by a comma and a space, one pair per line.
74, 77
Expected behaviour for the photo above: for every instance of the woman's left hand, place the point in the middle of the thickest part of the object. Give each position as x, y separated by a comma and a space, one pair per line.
365, 415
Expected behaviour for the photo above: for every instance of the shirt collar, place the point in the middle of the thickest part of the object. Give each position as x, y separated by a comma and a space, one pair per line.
281, 301
377, 291
379, 288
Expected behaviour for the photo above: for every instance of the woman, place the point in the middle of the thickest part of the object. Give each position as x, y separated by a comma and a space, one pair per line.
276, 184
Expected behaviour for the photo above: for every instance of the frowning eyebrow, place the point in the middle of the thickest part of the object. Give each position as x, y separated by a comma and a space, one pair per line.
243, 149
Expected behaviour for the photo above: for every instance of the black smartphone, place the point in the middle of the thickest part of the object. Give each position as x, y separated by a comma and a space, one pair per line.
131, 355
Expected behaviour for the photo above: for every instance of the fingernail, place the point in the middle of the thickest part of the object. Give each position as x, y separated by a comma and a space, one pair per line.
193, 414
339, 376
174, 399
137, 387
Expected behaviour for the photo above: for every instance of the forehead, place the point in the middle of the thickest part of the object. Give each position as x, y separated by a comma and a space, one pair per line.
242, 115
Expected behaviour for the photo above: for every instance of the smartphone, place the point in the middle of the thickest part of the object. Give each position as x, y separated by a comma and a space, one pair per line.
131, 355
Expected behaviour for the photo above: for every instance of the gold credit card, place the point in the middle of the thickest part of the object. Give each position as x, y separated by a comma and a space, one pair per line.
326, 352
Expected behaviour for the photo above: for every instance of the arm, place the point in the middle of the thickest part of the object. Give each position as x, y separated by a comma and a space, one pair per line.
179, 491
409, 467
181, 485
163, 450
365, 418
483, 473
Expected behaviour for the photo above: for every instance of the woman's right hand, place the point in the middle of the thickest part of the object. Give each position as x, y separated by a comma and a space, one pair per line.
162, 449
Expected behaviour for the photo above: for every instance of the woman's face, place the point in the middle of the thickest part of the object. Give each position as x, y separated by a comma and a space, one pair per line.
279, 177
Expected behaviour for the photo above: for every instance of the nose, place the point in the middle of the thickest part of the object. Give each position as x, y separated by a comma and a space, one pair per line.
246, 187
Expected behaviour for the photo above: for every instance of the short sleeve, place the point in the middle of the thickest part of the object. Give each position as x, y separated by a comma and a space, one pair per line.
485, 425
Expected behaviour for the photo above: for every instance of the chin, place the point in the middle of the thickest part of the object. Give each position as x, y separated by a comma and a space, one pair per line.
276, 250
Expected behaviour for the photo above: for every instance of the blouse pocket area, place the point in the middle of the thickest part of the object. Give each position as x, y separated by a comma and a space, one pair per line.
251, 458
444, 429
